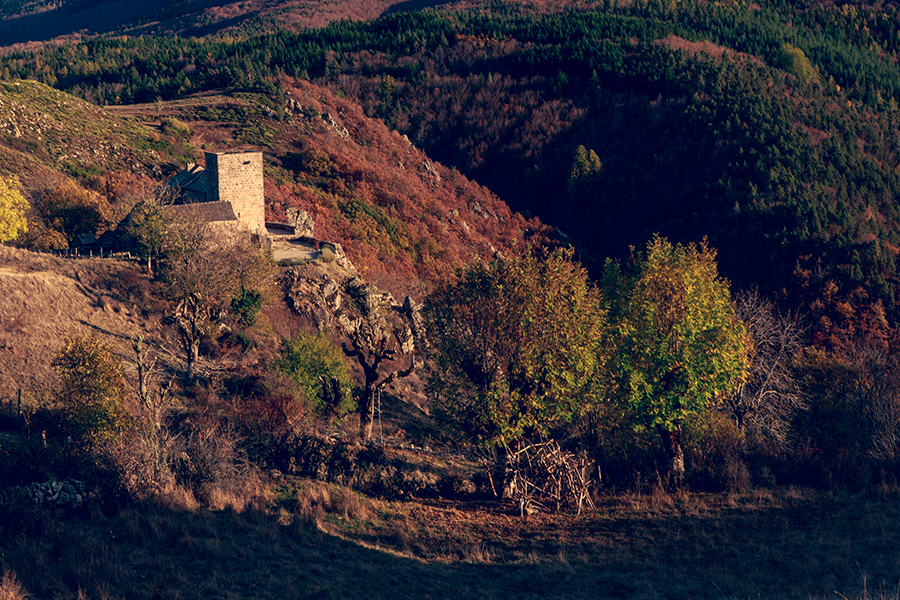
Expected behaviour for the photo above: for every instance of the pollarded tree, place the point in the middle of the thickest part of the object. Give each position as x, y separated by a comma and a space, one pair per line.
12, 210
381, 340
518, 347
678, 342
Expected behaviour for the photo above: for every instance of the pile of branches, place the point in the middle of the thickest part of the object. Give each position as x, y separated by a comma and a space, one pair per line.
545, 477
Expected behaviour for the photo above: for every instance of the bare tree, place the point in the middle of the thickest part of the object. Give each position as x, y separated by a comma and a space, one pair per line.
204, 268
145, 465
770, 396
381, 339
877, 395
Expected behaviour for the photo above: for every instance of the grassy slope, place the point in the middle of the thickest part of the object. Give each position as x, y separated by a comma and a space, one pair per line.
333, 544
45, 299
41, 128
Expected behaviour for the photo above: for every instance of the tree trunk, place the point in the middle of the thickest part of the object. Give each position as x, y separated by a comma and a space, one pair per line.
503, 474
193, 355
367, 413
331, 396
671, 440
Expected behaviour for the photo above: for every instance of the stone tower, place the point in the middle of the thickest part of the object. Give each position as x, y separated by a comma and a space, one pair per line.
238, 178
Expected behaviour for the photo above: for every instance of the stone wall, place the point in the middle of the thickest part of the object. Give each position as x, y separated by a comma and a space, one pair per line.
238, 178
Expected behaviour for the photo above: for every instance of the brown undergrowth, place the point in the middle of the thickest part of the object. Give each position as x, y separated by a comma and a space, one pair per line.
313, 539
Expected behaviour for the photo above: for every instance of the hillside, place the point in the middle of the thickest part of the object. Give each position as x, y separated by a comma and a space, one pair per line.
44, 129
772, 124
402, 218
35, 22
46, 299
666, 435
27, 24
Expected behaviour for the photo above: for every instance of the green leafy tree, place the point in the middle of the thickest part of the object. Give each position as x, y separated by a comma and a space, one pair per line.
147, 225
91, 391
518, 346
318, 365
12, 210
678, 343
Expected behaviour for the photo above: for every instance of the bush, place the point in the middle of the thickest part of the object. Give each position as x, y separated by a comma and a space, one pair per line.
172, 126
318, 365
713, 452
91, 391
246, 305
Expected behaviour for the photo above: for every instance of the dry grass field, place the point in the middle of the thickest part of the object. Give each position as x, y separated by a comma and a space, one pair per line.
306, 539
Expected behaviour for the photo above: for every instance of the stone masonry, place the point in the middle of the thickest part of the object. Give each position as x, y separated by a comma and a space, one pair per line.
238, 178
229, 188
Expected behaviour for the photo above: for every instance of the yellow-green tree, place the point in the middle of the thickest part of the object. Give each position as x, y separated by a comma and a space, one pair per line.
518, 346
678, 343
794, 61
12, 210
91, 391
585, 171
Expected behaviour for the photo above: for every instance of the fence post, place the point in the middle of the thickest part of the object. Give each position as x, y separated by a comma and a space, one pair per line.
19, 408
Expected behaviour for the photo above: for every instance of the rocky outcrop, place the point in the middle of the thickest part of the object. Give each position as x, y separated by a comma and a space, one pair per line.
303, 224
343, 301
314, 295
68, 493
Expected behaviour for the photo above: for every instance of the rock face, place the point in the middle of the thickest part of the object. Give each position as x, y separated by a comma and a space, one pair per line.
68, 493
338, 299
314, 295
302, 222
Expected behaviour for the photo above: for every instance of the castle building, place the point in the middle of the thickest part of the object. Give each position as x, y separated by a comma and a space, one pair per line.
229, 190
